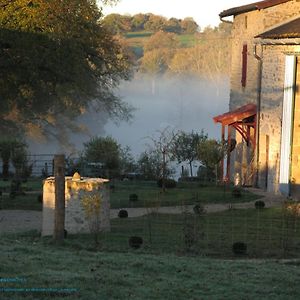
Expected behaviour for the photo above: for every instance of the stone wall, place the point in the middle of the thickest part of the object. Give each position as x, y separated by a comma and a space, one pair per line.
246, 26
75, 217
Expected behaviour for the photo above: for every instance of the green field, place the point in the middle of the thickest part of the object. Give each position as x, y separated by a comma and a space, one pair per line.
185, 193
147, 191
163, 268
136, 40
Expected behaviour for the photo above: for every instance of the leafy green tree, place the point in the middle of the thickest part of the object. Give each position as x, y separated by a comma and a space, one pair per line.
56, 60
103, 150
185, 147
127, 161
210, 153
149, 165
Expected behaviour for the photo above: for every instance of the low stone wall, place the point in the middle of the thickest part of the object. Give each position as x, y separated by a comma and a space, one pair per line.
76, 188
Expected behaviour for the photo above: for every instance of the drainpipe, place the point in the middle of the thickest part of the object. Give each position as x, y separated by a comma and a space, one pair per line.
258, 101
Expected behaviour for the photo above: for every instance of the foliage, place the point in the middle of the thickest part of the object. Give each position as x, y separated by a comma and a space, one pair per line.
149, 165
104, 150
139, 22
163, 146
123, 214
186, 147
211, 152
239, 248
91, 204
127, 161
14, 150
56, 60
259, 204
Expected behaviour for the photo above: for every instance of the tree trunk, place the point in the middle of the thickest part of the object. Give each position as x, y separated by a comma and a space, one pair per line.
191, 168
59, 213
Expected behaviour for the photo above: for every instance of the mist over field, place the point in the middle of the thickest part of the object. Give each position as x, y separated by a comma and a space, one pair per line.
181, 103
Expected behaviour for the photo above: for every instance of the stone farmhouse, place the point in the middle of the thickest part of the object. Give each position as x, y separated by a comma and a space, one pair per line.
263, 122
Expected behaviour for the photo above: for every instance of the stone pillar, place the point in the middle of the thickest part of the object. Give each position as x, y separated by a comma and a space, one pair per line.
75, 189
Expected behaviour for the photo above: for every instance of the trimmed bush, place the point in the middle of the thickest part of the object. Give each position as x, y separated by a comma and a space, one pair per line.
199, 209
133, 197
169, 183
239, 248
123, 214
135, 242
236, 193
259, 204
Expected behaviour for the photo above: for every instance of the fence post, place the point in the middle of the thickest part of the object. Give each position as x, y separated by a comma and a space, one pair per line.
59, 213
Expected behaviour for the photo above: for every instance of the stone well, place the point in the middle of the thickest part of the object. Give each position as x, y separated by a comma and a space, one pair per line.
76, 188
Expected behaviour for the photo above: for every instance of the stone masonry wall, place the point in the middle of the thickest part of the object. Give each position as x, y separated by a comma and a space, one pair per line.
75, 217
246, 26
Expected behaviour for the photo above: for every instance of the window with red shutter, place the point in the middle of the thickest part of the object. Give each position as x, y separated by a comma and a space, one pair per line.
244, 65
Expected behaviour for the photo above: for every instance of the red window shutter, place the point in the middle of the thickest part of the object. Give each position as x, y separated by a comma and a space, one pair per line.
244, 65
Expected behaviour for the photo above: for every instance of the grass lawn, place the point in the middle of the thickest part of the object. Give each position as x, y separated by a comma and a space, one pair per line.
185, 193
35, 263
148, 195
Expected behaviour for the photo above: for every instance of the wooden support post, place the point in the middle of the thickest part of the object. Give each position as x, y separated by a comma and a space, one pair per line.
228, 155
222, 161
59, 214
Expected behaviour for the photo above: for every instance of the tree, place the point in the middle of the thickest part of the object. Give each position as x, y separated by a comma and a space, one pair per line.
186, 147
163, 145
211, 152
173, 25
104, 150
149, 165
155, 23
11, 148
162, 40
56, 60
189, 26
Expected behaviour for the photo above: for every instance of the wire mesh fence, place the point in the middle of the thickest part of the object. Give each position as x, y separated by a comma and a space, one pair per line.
272, 232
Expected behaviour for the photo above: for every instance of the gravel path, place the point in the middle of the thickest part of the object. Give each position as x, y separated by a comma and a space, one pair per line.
24, 220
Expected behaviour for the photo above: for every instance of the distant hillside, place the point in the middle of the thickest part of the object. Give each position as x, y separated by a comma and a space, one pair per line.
158, 45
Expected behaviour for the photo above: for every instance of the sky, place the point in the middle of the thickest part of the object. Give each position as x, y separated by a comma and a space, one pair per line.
205, 13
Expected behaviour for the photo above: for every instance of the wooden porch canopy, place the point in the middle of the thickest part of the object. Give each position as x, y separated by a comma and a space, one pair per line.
242, 119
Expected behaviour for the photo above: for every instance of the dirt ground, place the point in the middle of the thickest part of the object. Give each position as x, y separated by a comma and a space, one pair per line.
24, 220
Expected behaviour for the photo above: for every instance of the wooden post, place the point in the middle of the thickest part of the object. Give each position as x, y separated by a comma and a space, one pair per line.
59, 213
228, 155
222, 161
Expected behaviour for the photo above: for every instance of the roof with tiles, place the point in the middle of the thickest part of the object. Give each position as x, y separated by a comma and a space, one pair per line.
287, 30
250, 7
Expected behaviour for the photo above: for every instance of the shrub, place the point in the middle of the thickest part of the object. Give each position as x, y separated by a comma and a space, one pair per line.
133, 197
135, 242
40, 198
123, 214
236, 193
169, 183
259, 204
239, 248
65, 233
199, 209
